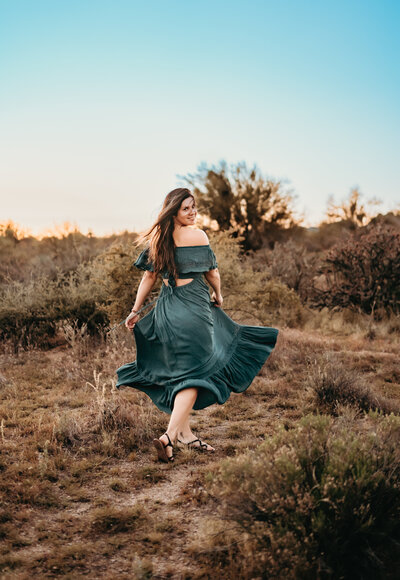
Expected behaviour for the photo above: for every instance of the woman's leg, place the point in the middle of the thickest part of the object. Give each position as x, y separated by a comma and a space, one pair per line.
185, 432
183, 404
186, 435
179, 422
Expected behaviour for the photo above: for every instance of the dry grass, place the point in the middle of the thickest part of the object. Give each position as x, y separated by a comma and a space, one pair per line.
82, 494
108, 520
334, 385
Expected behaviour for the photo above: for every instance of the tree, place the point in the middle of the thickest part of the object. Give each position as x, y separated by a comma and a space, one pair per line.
351, 210
242, 199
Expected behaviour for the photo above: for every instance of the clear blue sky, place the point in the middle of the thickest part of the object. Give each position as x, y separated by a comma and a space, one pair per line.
103, 103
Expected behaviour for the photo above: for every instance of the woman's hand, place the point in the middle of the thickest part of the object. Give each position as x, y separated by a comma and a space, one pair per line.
217, 299
131, 320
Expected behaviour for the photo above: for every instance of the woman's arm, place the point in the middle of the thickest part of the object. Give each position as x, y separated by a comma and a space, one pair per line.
214, 279
145, 287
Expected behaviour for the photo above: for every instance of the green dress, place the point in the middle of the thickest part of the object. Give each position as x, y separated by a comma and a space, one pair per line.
187, 341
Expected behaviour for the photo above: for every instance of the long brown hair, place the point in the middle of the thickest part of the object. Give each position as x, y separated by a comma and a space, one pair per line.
162, 245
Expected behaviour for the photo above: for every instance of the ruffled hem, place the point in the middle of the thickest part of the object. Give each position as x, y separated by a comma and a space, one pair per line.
250, 349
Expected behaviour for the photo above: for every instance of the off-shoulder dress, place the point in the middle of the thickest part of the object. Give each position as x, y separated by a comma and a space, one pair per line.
187, 341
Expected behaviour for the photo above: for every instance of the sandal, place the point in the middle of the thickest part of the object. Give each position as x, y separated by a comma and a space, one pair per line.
201, 445
161, 452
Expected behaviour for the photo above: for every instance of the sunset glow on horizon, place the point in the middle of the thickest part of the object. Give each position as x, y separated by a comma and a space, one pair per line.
104, 104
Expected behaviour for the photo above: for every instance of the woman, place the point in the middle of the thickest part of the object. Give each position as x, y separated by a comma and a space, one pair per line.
190, 354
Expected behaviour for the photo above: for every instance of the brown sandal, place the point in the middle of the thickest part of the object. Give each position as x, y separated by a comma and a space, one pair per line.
160, 447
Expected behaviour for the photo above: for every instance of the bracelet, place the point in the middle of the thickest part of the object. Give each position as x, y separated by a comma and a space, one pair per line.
134, 311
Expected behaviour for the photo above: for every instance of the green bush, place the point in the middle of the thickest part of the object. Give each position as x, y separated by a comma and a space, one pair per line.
318, 501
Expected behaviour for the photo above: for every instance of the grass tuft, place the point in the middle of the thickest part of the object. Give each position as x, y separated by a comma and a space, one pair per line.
333, 385
109, 520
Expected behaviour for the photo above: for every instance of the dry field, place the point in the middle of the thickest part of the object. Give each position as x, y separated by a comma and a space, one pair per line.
82, 494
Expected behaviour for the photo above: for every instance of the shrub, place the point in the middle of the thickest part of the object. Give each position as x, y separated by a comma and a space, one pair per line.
250, 292
120, 279
333, 385
30, 313
318, 501
362, 273
291, 264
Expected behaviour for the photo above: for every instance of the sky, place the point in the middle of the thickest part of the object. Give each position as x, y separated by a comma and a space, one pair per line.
104, 104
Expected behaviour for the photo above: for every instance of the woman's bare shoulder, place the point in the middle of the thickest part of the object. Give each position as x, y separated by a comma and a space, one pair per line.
191, 237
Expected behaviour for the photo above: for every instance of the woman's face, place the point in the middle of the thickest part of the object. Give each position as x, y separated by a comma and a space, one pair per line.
187, 213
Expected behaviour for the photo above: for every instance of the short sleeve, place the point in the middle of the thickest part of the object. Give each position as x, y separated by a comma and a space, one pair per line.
143, 262
190, 259
213, 260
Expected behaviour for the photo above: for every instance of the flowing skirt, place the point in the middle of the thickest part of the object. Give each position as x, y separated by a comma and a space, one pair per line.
186, 341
